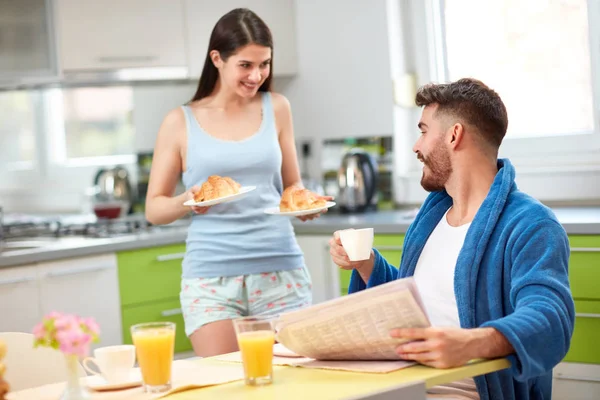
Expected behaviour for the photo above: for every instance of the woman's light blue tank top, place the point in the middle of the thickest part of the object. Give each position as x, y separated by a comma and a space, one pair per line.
238, 238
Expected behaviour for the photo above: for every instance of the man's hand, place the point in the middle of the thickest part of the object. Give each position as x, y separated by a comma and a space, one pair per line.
450, 347
340, 258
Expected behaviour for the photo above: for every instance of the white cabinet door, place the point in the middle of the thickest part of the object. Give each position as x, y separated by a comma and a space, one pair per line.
108, 34
202, 15
19, 299
323, 272
88, 287
575, 381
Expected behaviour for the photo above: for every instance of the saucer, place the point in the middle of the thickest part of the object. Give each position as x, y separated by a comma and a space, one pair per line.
98, 383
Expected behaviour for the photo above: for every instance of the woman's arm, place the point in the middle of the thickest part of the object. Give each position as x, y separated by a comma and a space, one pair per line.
161, 205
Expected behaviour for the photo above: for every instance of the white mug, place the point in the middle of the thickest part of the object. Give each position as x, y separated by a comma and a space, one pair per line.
357, 243
114, 363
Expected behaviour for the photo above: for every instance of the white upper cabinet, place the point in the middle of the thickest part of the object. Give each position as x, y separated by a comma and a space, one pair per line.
202, 15
110, 34
26, 41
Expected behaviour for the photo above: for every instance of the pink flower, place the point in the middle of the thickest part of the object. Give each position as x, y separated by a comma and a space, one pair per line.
39, 331
92, 326
66, 332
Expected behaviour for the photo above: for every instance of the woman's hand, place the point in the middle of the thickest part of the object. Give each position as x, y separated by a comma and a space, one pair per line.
316, 215
190, 196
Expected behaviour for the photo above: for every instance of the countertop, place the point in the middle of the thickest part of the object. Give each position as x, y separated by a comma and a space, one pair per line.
575, 220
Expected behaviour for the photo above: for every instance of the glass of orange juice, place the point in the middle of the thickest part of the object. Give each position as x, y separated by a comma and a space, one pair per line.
154, 346
256, 337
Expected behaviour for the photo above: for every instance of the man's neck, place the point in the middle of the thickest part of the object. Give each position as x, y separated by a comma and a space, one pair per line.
469, 186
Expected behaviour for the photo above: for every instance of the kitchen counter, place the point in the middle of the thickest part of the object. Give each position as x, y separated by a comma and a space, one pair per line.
584, 220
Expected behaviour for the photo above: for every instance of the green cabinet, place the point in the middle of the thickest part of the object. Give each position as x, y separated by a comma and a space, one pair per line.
584, 267
163, 311
584, 277
584, 343
149, 285
390, 247
149, 274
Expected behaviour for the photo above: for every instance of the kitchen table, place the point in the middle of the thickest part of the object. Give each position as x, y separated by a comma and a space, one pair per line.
291, 383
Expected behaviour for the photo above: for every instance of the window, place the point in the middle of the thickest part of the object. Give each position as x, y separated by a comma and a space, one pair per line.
535, 54
98, 122
17, 130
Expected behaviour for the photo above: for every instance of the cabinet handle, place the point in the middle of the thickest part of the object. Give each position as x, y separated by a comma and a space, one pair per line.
75, 271
587, 315
170, 257
15, 281
576, 378
114, 59
586, 249
170, 313
388, 248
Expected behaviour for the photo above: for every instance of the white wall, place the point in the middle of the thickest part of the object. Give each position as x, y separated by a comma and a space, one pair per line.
343, 87
151, 104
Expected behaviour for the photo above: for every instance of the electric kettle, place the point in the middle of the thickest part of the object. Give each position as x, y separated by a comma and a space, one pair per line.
357, 181
113, 184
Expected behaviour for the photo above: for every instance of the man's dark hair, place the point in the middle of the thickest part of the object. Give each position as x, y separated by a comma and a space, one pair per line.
471, 102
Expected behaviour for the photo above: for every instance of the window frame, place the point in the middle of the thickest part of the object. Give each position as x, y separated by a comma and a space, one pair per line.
526, 147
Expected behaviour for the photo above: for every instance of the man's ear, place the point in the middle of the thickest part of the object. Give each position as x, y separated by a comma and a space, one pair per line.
457, 132
215, 56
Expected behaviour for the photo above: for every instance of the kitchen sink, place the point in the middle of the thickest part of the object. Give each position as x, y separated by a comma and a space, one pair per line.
22, 245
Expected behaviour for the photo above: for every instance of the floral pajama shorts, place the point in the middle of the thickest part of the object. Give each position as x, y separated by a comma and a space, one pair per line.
206, 300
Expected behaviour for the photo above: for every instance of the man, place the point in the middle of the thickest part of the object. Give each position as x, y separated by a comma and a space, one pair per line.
490, 262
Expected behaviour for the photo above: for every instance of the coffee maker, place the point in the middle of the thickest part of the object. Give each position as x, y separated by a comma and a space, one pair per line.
357, 182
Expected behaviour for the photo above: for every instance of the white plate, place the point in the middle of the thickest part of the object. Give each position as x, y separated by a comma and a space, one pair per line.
98, 383
244, 190
275, 211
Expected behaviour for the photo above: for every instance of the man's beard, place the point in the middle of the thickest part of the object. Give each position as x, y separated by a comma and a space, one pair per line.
439, 169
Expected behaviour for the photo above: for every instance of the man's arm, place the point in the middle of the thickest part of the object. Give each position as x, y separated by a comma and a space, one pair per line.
448, 347
372, 274
541, 326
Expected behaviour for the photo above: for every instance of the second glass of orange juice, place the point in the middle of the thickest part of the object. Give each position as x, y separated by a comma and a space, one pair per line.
256, 337
155, 345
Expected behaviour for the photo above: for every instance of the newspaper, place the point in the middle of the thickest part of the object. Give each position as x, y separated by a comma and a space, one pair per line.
357, 326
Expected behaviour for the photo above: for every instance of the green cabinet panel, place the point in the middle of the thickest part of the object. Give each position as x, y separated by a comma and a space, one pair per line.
390, 247
584, 241
150, 274
388, 240
584, 266
584, 344
169, 310
345, 276
392, 256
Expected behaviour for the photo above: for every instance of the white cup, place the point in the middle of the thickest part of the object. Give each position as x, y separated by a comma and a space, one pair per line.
114, 363
357, 243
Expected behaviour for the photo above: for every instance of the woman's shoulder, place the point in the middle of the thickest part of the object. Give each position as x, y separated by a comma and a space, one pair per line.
174, 118
281, 104
173, 124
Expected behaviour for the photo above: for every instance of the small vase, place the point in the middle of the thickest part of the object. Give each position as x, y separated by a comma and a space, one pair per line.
74, 390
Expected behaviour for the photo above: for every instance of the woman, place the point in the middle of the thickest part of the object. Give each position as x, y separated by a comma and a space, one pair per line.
239, 261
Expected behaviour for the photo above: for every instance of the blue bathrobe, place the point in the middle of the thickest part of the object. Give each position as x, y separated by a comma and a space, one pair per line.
511, 274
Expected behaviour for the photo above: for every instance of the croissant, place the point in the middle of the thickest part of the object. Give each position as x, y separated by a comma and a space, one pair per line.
296, 198
216, 187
